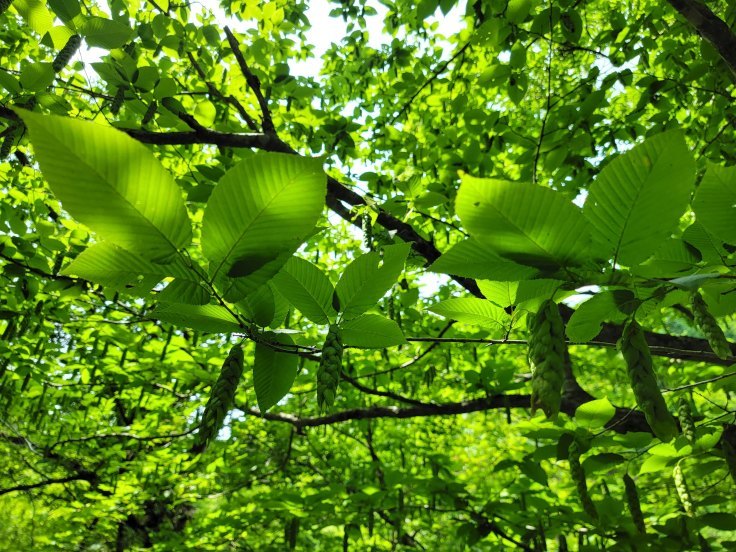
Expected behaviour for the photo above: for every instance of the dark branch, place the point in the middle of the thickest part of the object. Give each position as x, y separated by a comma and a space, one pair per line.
253, 83
624, 420
83, 476
710, 27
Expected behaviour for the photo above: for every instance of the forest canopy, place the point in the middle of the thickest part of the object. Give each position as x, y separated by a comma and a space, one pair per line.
367, 275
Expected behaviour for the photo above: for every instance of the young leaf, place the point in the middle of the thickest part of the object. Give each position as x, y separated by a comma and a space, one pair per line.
638, 198
111, 183
273, 371
364, 282
114, 267
472, 310
371, 331
206, 318
307, 288
526, 223
264, 306
587, 320
474, 258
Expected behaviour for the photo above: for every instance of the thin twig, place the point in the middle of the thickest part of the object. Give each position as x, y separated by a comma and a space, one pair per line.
253, 83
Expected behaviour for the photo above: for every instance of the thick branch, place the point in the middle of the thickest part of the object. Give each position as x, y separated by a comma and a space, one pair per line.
624, 420
710, 27
78, 477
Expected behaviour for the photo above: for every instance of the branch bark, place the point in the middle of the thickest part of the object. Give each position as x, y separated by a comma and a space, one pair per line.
710, 27
623, 421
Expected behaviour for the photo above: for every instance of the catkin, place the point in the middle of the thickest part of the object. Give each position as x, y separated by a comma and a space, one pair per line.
728, 446
150, 112
64, 56
707, 324
578, 477
643, 382
632, 499
547, 358
7, 145
330, 368
682, 490
117, 101
684, 412
221, 399
367, 232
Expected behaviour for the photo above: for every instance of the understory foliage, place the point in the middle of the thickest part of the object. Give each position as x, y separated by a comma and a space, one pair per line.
371, 275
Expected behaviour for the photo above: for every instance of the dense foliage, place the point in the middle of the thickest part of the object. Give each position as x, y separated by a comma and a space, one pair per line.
468, 285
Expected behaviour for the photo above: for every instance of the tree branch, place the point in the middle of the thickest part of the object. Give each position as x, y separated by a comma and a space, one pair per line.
623, 421
253, 83
83, 476
710, 27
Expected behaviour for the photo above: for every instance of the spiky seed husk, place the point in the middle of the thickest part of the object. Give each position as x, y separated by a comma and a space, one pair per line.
578, 477
4, 5
547, 358
728, 446
682, 490
66, 53
330, 368
684, 412
643, 382
709, 326
221, 399
632, 499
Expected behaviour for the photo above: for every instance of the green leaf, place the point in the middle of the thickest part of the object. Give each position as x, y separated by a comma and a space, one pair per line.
111, 183
715, 202
719, 520
273, 371
594, 414
235, 289
265, 205
637, 200
506, 294
523, 222
586, 322
66, 10
472, 310
364, 281
37, 76
105, 33
114, 267
264, 306
307, 288
473, 258
371, 331
184, 291
206, 318
35, 13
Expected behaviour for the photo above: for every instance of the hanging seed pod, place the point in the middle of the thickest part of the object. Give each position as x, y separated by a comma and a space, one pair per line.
682, 491
643, 382
330, 368
707, 324
684, 412
4, 5
291, 532
728, 446
7, 144
150, 112
632, 499
367, 232
118, 100
578, 477
65, 55
547, 358
221, 399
